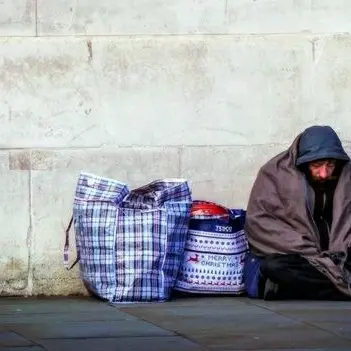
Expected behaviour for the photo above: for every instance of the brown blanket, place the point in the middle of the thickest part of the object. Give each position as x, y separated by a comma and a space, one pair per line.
279, 217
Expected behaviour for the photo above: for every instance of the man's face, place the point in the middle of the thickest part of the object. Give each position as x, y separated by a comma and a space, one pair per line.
321, 170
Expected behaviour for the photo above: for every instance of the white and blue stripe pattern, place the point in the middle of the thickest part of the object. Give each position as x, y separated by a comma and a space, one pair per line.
130, 243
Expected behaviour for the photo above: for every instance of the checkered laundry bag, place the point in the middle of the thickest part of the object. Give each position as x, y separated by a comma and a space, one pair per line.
130, 243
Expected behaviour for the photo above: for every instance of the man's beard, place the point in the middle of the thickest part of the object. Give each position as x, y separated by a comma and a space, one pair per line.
325, 182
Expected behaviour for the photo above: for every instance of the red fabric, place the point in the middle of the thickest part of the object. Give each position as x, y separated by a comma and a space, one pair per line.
207, 208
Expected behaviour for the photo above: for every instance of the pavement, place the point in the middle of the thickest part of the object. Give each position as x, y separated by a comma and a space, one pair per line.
186, 324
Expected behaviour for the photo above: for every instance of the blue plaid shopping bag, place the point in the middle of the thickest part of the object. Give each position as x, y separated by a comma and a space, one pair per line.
130, 243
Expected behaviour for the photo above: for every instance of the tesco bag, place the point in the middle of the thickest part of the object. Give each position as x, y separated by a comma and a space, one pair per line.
215, 251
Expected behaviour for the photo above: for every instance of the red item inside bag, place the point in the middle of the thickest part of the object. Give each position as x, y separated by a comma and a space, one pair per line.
205, 208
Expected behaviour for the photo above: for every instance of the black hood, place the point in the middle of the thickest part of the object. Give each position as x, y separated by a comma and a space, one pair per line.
320, 142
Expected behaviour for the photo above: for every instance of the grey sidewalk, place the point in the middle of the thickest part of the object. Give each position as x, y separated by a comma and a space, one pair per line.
187, 324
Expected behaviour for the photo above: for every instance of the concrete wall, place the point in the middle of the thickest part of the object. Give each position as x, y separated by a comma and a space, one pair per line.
137, 90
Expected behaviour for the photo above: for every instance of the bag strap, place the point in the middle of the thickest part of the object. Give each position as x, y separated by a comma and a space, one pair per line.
66, 248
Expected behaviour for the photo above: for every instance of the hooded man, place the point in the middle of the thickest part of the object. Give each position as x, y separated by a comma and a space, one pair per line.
298, 220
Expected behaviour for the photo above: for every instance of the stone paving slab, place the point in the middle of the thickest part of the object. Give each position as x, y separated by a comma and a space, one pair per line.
28, 318
29, 348
186, 324
93, 329
51, 305
241, 324
336, 315
174, 343
330, 316
277, 338
9, 339
341, 329
302, 305
304, 349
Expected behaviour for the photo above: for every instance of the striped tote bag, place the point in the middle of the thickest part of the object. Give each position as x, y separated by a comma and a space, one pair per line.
130, 243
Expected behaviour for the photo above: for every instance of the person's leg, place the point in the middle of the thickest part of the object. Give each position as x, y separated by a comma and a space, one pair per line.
293, 277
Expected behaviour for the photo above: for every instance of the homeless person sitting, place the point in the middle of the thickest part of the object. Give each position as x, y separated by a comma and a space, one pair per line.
298, 220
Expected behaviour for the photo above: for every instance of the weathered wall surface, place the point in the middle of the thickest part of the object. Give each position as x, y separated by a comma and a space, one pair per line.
137, 90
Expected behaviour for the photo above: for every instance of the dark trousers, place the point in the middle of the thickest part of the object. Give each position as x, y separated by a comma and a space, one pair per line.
298, 279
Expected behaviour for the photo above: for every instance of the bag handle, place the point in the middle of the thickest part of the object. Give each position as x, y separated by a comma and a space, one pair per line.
66, 248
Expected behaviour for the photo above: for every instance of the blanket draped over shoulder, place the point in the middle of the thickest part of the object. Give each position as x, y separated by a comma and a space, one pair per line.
279, 218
